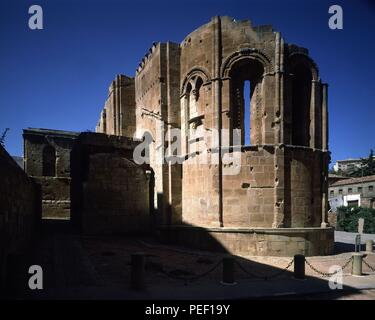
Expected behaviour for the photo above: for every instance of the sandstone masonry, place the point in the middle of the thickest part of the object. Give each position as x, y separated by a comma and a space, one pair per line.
198, 86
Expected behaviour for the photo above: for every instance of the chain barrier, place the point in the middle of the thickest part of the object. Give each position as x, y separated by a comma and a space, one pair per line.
274, 275
192, 278
187, 279
328, 274
368, 266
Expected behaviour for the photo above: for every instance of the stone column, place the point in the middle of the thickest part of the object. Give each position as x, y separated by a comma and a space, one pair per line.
325, 116
279, 89
325, 161
313, 105
184, 121
118, 105
216, 83
226, 119
114, 108
324, 128
279, 157
279, 190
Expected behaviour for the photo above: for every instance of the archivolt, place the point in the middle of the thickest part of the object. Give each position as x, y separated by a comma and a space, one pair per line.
246, 53
298, 58
193, 73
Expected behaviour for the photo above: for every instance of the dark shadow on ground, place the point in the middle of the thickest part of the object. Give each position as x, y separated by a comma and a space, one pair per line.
341, 247
95, 267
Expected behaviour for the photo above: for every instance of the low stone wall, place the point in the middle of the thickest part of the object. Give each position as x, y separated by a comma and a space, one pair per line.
257, 242
20, 202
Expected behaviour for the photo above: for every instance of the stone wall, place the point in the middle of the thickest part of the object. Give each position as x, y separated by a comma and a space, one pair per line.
118, 115
20, 210
110, 192
199, 87
157, 84
50, 169
200, 199
282, 242
282, 179
55, 196
251, 197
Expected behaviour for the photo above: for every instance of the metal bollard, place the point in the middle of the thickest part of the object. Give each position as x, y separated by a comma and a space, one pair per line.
228, 271
299, 266
369, 245
137, 271
357, 264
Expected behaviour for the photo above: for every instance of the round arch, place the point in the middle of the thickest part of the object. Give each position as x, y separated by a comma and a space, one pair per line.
299, 58
195, 72
247, 53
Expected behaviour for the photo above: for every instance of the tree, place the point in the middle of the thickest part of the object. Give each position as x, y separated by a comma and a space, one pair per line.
3, 136
348, 219
367, 167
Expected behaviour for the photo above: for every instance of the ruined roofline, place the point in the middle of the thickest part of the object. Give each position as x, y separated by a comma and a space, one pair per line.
149, 55
51, 132
259, 28
120, 80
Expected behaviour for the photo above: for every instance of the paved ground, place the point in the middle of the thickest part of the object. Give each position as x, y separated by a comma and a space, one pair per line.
349, 237
88, 267
357, 295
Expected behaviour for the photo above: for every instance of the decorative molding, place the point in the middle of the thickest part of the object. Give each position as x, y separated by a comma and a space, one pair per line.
195, 71
246, 53
295, 57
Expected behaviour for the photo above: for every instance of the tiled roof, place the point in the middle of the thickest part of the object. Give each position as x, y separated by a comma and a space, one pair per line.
353, 181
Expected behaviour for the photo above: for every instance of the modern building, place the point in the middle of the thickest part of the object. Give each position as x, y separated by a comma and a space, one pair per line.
347, 165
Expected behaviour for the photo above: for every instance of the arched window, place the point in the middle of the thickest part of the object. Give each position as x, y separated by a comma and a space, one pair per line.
301, 99
49, 161
246, 81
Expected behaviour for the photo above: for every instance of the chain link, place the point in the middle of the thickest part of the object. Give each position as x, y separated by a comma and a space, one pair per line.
264, 277
192, 278
370, 267
328, 274
274, 275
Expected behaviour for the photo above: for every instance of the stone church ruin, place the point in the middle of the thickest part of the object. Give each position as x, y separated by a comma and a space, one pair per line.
225, 75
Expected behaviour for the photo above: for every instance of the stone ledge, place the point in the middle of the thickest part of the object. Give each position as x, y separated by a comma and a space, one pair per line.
251, 230
253, 241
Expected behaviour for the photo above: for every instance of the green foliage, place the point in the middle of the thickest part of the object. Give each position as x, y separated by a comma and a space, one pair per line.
367, 167
3, 136
348, 219
341, 173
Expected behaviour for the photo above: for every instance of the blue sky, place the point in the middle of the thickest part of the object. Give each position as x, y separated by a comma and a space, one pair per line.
58, 77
